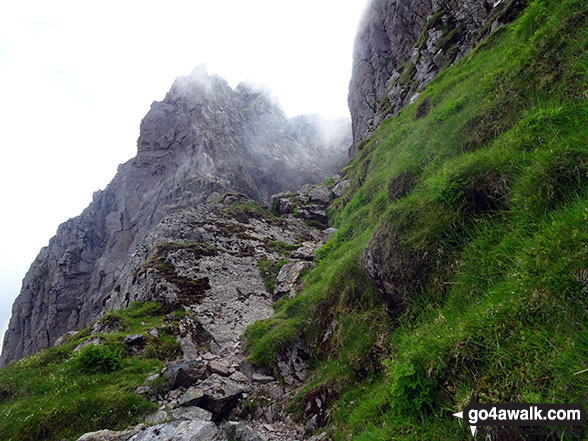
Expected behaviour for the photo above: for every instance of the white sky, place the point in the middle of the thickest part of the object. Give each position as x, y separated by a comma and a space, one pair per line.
76, 77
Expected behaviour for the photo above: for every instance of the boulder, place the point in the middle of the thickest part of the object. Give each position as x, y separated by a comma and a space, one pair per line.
289, 275
220, 395
184, 430
184, 374
191, 413
108, 435
192, 396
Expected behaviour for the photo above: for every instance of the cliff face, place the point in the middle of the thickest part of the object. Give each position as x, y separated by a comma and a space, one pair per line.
203, 140
401, 45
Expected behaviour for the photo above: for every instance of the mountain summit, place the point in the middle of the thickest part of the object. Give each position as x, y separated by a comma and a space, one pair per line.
203, 140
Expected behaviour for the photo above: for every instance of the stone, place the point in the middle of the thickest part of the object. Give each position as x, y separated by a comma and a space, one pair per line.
292, 363
261, 378
239, 377
191, 413
184, 430
91, 341
220, 367
143, 390
305, 252
64, 337
158, 416
289, 275
184, 373
340, 188
192, 396
108, 435
330, 231
220, 395
134, 339
240, 432
319, 194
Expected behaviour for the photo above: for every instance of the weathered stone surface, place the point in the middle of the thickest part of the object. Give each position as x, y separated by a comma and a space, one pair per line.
401, 45
340, 187
108, 435
289, 275
292, 363
64, 337
134, 339
191, 413
239, 377
260, 378
184, 373
192, 396
185, 430
240, 432
305, 252
203, 140
158, 416
91, 341
220, 367
220, 395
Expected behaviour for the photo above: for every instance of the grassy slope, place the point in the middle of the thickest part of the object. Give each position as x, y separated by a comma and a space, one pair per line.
58, 395
495, 212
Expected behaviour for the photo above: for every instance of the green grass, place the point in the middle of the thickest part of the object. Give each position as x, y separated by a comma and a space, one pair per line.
58, 394
480, 205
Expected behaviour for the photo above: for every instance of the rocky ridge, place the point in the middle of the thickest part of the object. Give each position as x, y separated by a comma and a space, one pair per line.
212, 392
203, 140
401, 45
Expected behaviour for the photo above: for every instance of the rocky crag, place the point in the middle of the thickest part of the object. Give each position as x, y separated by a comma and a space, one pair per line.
207, 259
203, 140
401, 45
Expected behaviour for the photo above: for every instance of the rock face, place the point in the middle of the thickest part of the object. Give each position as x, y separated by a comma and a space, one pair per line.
203, 140
401, 45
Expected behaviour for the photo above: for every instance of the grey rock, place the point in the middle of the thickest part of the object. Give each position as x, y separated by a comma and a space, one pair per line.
194, 430
330, 231
91, 341
320, 437
240, 432
108, 435
158, 416
319, 194
184, 373
143, 390
289, 275
191, 413
305, 252
221, 394
292, 363
260, 378
239, 377
314, 213
192, 396
220, 367
340, 188
106, 325
134, 339
64, 337
408, 37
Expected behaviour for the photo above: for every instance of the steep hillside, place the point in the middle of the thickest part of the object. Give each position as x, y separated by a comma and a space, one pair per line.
459, 260
456, 258
203, 140
402, 45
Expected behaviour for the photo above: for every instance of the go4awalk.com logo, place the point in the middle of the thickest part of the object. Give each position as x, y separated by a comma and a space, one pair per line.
500, 414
